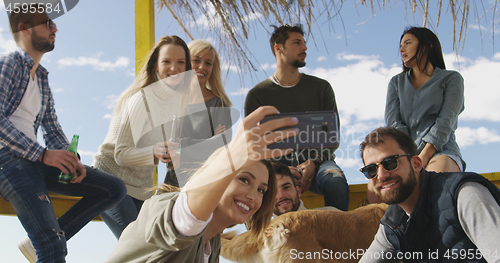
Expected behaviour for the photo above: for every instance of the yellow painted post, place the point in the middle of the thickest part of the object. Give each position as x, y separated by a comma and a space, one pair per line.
144, 39
144, 30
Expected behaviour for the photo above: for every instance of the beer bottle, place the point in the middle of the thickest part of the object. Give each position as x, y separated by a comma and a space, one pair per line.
174, 137
65, 178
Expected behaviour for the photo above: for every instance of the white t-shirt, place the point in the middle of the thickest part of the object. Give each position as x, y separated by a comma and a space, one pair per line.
24, 116
186, 223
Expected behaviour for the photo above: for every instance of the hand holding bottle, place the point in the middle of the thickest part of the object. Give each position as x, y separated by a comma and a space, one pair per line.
165, 151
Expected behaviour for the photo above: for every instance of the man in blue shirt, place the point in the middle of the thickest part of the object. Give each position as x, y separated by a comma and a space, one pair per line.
27, 169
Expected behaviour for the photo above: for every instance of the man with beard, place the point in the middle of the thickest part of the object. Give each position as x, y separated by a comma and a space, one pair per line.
288, 195
29, 170
432, 217
291, 91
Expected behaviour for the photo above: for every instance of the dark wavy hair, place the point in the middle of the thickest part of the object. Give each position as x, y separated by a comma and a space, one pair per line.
280, 34
378, 136
428, 49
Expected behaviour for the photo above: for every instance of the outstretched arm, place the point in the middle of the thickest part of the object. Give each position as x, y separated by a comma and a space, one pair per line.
249, 146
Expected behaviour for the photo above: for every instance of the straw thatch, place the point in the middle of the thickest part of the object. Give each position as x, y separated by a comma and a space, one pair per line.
232, 21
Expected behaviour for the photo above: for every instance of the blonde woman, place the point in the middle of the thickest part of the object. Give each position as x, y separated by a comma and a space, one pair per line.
118, 154
205, 126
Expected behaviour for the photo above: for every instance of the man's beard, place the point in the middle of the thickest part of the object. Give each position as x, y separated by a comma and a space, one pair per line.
295, 206
298, 63
40, 44
397, 196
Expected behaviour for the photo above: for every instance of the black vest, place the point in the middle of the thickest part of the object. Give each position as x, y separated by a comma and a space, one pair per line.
434, 228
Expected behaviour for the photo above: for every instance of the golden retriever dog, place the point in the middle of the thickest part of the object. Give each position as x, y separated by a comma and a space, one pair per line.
308, 236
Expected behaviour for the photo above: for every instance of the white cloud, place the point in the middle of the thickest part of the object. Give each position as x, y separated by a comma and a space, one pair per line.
467, 136
349, 57
353, 134
479, 27
110, 101
231, 67
482, 95
321, 58
360, 88
107, 116
57, 90
349, 162
267, 66
7, 43
252, 16
496, 56
95, 62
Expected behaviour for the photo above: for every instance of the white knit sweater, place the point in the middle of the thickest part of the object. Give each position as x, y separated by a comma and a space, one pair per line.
119, 156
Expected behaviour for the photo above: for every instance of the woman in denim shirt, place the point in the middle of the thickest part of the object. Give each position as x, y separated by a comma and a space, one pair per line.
425, 100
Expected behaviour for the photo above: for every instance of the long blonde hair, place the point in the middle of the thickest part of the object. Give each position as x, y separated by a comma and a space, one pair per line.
147, 75
199, 48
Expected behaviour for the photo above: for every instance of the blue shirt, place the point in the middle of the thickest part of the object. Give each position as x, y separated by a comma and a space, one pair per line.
430, 113
14, 77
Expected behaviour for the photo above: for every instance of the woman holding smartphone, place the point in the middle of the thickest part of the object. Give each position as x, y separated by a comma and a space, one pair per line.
234, 186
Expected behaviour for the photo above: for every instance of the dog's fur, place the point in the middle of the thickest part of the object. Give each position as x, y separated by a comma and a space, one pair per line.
307, 231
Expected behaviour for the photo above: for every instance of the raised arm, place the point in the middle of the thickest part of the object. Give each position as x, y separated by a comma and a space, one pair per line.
248, 146
453, 105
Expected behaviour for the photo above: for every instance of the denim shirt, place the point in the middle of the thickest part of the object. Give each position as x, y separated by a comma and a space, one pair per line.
430, 113
14, 77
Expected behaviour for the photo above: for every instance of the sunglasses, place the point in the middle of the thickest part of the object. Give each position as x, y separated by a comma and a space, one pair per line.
390, 163
48, 23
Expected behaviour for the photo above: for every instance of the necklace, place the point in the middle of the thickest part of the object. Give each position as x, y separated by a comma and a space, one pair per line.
281, 83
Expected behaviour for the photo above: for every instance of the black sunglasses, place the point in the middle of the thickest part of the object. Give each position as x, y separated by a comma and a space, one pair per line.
48, 23
390, 163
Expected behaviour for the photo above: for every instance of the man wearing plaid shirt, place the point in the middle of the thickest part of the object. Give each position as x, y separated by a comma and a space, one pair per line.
27, 169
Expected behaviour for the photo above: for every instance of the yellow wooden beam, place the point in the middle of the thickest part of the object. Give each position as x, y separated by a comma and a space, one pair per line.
358, 193
144, 39
144, 30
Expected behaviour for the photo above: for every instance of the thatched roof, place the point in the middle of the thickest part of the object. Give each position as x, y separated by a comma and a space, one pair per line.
232, 20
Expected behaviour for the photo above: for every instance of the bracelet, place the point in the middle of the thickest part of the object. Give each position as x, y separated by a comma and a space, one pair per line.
43, 154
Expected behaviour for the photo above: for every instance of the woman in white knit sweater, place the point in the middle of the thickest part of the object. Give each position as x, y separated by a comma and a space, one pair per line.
118, 154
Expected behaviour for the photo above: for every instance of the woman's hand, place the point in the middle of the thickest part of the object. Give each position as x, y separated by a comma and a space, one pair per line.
427, 153
308, 173
220, 129
252, 138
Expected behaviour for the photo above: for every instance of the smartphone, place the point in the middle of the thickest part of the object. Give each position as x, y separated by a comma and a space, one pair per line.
317, 129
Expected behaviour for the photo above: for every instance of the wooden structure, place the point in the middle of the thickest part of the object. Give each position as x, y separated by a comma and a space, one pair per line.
144, 40
358, 192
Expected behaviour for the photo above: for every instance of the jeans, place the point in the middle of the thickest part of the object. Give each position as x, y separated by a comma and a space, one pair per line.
25, 184
332, 185
118, 217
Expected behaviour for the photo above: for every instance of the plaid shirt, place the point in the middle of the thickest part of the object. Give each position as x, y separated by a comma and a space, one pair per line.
14, 77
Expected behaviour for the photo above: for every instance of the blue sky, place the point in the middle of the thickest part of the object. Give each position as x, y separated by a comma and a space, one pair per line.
93, 62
